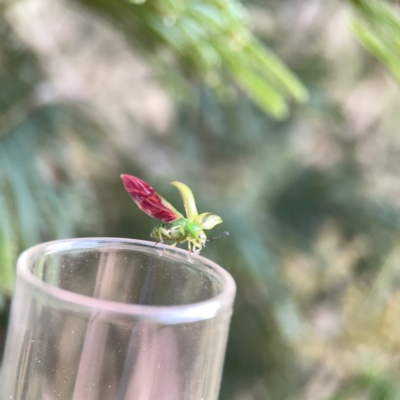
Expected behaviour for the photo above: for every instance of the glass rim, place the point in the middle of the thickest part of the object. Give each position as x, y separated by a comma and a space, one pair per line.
173, 314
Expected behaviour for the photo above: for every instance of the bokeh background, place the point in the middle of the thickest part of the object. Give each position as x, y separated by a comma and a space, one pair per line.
283, 117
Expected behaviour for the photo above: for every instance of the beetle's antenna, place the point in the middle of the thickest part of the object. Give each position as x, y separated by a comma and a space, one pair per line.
222, 234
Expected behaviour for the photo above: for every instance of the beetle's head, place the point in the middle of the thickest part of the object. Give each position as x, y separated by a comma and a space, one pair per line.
198, 236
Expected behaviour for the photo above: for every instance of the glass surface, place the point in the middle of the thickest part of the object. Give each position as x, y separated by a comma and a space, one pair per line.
102, 319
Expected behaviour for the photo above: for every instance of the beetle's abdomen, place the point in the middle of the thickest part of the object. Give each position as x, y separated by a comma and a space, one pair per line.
174, 231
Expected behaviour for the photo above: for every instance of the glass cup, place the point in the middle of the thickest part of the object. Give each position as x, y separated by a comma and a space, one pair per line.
103, 318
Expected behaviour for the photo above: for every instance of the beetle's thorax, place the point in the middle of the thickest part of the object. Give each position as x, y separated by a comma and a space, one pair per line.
192, 228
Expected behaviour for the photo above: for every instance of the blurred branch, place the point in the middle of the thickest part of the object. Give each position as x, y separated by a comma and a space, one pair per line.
210, 39
377, 27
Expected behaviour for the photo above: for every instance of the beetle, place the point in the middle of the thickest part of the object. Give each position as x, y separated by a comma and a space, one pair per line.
174, 226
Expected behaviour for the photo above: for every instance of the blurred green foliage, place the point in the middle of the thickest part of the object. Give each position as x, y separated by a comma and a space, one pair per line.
377, 26
210, 39
311, 201
40, 198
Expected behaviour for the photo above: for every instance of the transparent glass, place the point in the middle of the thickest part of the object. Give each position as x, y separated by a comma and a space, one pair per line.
102, 319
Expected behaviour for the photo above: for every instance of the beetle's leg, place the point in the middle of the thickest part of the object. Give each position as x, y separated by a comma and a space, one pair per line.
175, 229
165, 247
194, 245
172, 232
179, 229
160, 242
197, 251
163, 231
198, 244
159, 235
